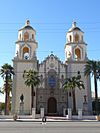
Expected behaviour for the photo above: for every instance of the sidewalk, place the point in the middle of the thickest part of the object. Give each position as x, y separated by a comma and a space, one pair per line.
49, 119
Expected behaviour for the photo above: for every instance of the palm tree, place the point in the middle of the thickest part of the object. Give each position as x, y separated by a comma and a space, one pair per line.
9, 92
2, 90
6, 72
71, 84
31, 79
93, 67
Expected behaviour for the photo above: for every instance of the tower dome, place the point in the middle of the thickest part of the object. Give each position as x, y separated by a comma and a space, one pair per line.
74, 34
27, 32
27, 26
74, 28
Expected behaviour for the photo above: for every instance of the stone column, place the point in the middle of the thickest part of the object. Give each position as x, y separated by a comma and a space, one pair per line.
33, 112
42, 112
64, 111
79, 113
69, 113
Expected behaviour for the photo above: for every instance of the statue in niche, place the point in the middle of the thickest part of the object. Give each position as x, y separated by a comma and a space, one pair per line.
22, 98
17, 54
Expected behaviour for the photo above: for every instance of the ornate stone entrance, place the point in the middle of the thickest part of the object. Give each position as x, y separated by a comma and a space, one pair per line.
52, 106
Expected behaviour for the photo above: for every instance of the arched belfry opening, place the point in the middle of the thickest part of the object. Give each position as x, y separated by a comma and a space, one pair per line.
26, 36
77, 53
70, 38
20, 37
33, 36
76, 38
26, 52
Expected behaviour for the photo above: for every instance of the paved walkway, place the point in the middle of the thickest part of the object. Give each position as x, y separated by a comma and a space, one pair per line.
49, 119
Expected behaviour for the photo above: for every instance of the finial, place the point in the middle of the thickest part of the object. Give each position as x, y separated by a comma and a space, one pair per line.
74, 24
27, 22
51, 52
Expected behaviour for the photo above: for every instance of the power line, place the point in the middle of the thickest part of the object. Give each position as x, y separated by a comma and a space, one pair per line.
67, 22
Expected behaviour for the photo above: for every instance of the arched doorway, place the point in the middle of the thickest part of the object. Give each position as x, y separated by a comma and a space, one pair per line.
52, 106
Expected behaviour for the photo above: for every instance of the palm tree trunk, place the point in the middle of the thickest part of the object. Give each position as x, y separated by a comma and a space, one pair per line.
96, 94
6, 97
32, 95
74, 101
8, 103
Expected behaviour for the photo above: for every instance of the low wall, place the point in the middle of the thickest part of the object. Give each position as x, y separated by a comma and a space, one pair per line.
91, 117
19, 116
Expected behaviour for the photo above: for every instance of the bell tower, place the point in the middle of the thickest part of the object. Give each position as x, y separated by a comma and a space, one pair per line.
26, 44
25, 59
75, 59
75, 48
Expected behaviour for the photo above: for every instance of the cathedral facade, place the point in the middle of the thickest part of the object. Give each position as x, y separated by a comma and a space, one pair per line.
49, 94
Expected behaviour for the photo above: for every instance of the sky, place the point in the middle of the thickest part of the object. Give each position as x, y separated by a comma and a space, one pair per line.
51, 19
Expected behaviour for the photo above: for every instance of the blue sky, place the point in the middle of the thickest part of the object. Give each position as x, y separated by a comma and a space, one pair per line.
51, 19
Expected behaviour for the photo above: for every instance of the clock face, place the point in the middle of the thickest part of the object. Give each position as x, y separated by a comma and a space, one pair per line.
52, 65
26, 56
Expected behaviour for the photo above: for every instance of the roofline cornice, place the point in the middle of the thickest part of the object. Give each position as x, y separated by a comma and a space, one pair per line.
73, 43
26, 42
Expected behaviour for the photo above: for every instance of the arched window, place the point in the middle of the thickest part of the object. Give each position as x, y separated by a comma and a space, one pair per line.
26, 36
77, 53
26, 53
20, 36
52, 79
62, 76
70, 37
32, 36
82, 38
76, 38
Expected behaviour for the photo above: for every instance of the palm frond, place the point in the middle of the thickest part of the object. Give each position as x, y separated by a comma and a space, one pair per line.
31, 78
72, 83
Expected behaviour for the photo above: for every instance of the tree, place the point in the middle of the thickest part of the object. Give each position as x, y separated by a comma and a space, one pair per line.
71, 84
6, 72
93, 67
32, 80
3, 90
9, 92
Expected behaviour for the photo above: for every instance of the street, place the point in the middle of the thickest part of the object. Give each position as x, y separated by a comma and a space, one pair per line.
50, 127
